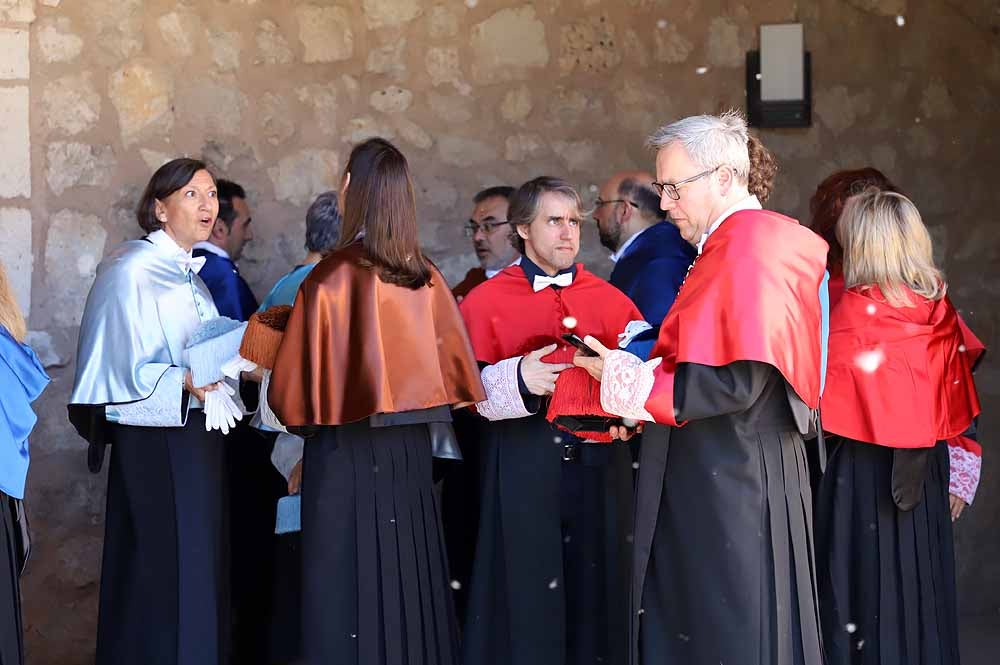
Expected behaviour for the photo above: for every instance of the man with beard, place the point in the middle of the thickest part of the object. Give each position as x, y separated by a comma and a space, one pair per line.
490, 232
650, 256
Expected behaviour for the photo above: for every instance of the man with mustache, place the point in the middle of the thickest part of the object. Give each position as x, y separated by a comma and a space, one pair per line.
490, 232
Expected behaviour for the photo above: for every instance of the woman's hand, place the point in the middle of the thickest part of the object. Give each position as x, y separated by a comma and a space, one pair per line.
540, 377
593, 364
295, 478
957, 505
198, 392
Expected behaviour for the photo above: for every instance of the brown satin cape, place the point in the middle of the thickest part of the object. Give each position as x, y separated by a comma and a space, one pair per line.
356, 346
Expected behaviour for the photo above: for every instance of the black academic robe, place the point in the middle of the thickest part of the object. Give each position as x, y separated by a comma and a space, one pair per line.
549, 578
723, 525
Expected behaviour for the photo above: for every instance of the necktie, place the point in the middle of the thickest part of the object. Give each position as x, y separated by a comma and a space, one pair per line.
542, 281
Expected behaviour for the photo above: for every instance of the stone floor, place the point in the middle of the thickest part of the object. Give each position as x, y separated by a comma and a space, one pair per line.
980, 636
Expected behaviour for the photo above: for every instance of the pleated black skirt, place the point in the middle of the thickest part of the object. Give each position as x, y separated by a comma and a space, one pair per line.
887, 576
731, 574
164, 597
11, 628
375, 584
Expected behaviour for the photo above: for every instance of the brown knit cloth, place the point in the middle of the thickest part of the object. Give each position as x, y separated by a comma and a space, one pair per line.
263, 335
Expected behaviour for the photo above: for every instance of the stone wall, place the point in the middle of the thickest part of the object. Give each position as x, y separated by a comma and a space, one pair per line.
94, 94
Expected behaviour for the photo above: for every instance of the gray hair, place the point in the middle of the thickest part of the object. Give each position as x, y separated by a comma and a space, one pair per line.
323, 223
711, 141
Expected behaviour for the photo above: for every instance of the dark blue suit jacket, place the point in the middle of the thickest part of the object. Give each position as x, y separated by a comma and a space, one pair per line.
650, 273
231, 293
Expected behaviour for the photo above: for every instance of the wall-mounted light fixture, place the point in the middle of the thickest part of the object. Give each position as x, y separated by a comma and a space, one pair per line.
779, 85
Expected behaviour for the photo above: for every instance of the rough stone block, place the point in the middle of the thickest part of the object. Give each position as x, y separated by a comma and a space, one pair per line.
589, 46
71, 164
17, 11
14, 47
225, 47
15, 253
326, 33
15, 143
142, 94
181, 31
272, 47
71, 104
73, 248
323, 100
507, 45
304, 175
388, 13
56, 40
391, 100
464, 152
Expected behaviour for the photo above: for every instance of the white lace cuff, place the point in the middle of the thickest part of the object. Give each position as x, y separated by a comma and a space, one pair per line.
161, 409
626, 385
965, 468
632, 330
264, 409
503, 398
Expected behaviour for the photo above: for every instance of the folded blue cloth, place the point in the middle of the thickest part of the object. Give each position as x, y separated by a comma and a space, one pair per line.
210, 346
289, 519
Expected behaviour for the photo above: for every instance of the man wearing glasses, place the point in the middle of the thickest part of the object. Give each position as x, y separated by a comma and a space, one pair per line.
723, 569
650, 256
490, 233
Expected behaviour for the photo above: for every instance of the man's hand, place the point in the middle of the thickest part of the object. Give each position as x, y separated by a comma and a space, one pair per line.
957, 506
593, 365
198, 392
538, 376
295, 478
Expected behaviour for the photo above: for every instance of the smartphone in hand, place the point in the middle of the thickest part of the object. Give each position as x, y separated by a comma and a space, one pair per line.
575, 340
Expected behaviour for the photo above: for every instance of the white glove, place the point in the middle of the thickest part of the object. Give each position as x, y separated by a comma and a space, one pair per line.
221, 411
237, 364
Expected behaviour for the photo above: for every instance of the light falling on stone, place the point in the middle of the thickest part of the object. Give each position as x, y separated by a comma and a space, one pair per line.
869, 361
701, 71
871, 310
570, 322
456, 585
554, 583
850, 628
900, 21
661, 24
471, 3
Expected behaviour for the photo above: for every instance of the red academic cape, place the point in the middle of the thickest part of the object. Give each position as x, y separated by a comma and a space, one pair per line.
898, 376
506, 318
753, 294
973, 346
473, 278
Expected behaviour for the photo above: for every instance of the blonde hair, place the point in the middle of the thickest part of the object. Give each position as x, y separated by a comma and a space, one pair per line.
10, 314
887, 245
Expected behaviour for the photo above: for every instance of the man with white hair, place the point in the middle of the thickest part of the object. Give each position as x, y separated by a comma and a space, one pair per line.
723, 549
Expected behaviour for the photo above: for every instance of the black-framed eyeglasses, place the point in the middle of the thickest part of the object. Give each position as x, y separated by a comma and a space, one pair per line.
601, 202
671, 188
488, 228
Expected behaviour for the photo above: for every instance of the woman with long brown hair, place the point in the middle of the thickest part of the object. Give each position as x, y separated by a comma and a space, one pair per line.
22, 380
899, 396
373, 358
